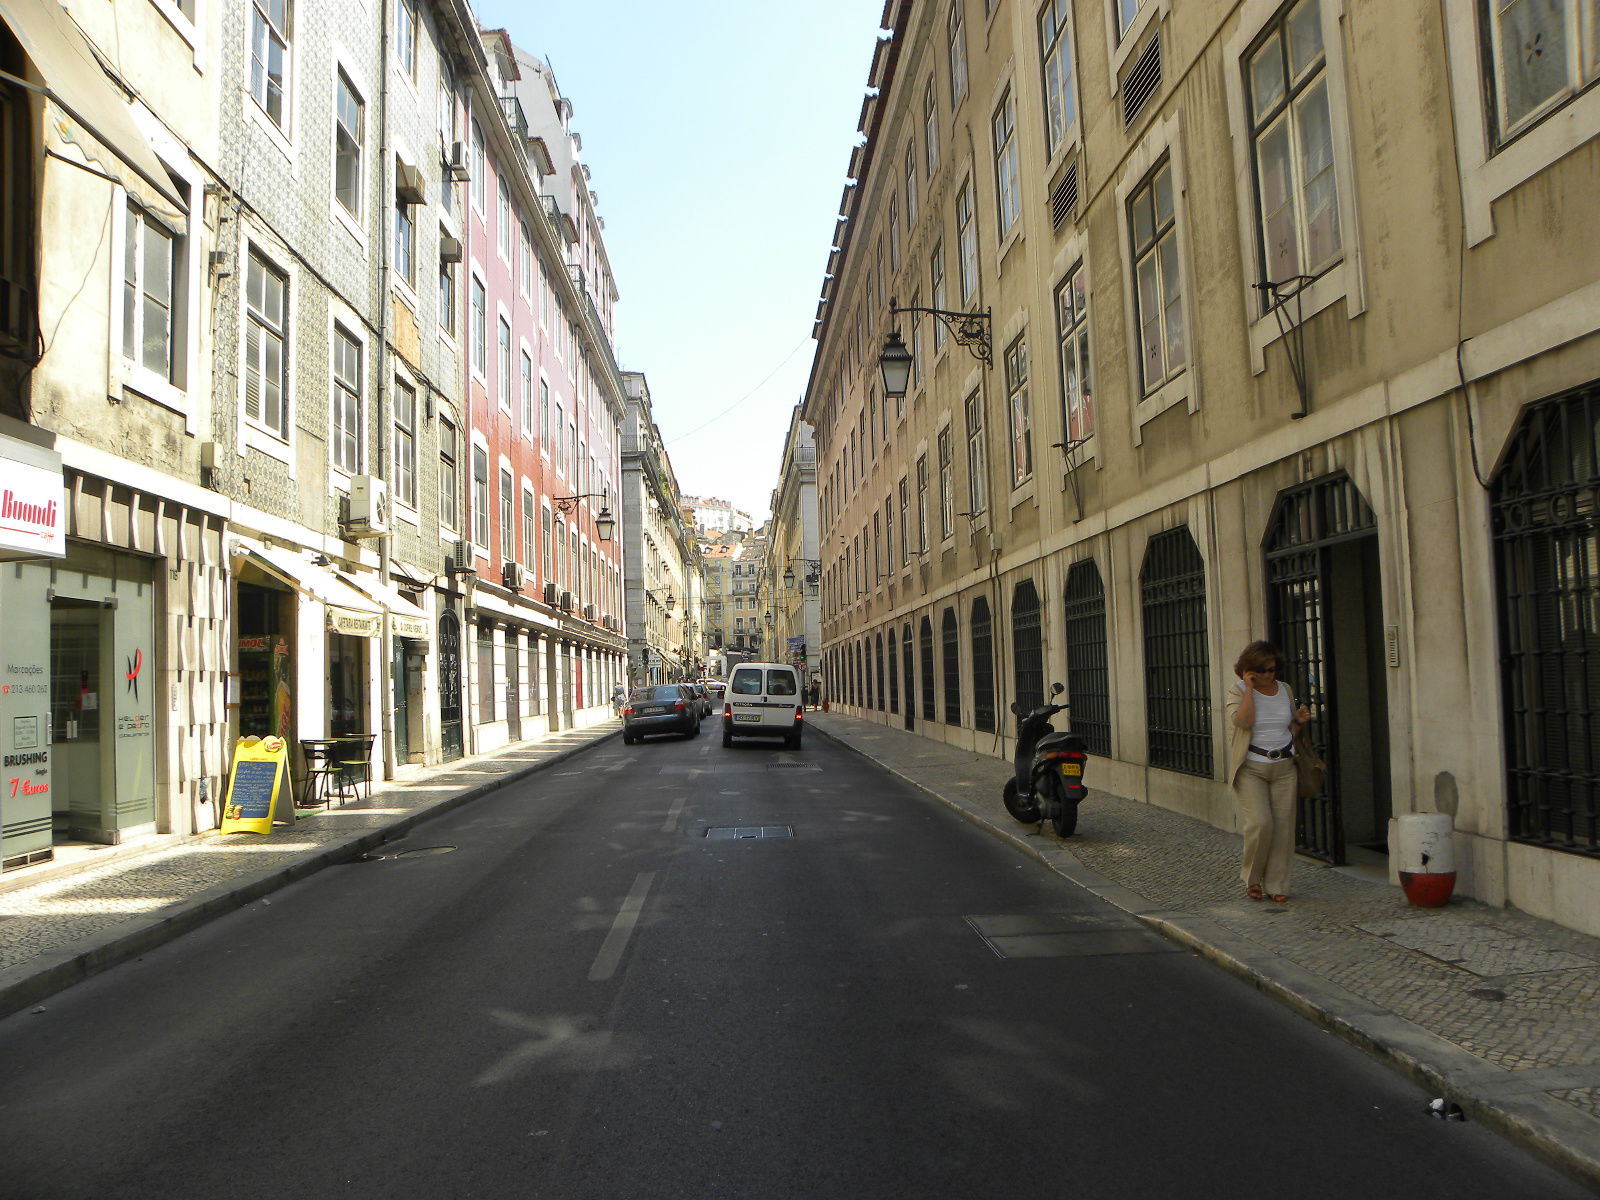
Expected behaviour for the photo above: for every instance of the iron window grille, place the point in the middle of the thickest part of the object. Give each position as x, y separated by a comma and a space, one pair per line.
894, 672
1088, 676
1545, 506
908, 662
951, 634
982, 667
1172, 581
1027, 648
877, 650
925, 640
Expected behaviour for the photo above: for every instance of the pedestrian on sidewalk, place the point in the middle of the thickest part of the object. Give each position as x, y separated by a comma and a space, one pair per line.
619, 697
1262, 719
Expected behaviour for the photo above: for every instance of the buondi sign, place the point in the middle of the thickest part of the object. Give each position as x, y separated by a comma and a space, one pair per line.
33, 521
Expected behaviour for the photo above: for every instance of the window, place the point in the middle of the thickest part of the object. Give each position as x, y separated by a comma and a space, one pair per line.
1126, 11
1158, 299
955, 27
480, 496
1172, 582
504, 365
967, 242
508, 522
480, 328
877, 647
348, 129
1027, 647
503, 221
905, 522
1543, 52
559, 456
486, 689
1020, 413
930, 126
545, 552
950, 637
936, 293
405, 443
982, 667
527, 394
911, 185
977, 458
947, 501
1055, 54
405, 37
269, 57
447, 297
479, 172
894, 672
1088, 679
150, 291
1072, 332
925, 653
525, 249
348, 420
1297, 200
544, 416
894, 233
405, 243
528, 525
1008, 195
449, 481
922, 504
266, 359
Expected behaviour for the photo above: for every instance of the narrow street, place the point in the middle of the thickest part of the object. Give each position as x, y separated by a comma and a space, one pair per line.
591, 995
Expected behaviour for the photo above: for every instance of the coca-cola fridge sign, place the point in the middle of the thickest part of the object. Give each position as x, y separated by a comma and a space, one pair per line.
33, 522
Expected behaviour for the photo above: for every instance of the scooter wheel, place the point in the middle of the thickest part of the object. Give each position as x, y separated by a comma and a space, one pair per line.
1023, 810
1066, 819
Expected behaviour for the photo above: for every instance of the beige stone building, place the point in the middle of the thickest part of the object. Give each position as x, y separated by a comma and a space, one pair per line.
1281, 323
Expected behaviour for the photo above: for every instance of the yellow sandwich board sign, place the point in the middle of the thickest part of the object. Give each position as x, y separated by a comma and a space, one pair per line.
258, 787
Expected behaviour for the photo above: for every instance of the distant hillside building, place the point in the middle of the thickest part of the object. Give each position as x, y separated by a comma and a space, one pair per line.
711, 513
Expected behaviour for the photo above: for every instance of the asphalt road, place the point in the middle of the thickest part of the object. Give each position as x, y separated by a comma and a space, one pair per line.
588, 996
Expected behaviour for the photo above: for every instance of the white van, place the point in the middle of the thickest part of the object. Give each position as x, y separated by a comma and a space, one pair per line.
763, 700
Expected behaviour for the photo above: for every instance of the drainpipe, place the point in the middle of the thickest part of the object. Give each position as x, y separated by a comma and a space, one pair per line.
385, 392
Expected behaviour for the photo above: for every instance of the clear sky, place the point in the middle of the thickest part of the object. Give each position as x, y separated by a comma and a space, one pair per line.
717, 134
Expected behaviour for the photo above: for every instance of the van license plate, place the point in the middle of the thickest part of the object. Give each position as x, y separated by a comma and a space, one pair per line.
747, 716
1072, 769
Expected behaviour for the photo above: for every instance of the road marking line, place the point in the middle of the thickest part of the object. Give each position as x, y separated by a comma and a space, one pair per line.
610, 956
671, 823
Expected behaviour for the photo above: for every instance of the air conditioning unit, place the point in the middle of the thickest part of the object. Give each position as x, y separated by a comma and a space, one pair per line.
408, 185
550, 593
456, 165
513, 575
449, 249
369, 507
567, 603
461, 558
590, 612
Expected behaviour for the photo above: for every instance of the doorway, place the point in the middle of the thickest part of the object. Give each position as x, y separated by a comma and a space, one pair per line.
450, 741
1325, 613
513, 685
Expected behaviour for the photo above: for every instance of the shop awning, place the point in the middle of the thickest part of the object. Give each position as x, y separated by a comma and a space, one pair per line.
405, 618
76, 83
350, 612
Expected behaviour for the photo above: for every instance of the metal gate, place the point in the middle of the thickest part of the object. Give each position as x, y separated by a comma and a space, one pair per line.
1307, 523
450, 743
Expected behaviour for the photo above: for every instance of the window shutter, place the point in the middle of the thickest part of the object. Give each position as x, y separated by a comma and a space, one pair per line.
252, 370
1142, 81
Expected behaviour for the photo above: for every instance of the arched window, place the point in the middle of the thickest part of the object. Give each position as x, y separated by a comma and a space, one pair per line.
894, 672
982, 667
1177, 665
908, 661
925, 644
951, 635
878, 658
1088, 680
1027, 648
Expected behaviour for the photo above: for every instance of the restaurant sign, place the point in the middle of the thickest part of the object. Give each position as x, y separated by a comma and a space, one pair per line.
33, 519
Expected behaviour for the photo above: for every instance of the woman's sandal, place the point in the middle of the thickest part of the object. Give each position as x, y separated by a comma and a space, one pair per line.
1278, 898
1254, 891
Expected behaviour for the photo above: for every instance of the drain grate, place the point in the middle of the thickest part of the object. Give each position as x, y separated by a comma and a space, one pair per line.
1067, 935
724, 833
408, 852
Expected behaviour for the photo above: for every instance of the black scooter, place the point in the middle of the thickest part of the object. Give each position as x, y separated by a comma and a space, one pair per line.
1048, 779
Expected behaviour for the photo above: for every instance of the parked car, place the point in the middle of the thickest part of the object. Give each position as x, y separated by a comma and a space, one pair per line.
716, 688
763, 700
703, 695
661, 708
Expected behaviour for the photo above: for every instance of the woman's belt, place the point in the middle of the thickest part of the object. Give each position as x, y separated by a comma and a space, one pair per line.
1281, 752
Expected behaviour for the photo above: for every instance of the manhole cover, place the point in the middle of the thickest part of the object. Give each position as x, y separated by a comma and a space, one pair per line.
748, 832
410, 852
1494, 994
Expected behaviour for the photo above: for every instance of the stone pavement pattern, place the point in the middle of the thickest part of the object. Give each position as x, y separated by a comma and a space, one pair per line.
1520, 996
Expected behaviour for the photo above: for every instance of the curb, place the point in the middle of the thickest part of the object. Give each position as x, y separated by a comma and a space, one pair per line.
55, 971
1543, 1127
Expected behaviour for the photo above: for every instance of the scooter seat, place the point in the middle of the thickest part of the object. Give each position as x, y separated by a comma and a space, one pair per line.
1059, 740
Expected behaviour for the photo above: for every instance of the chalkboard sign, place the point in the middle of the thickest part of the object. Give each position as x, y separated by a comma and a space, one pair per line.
258, 787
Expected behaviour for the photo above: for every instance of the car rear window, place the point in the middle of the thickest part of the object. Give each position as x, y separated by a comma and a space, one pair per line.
657, 693
746, 683
780, 683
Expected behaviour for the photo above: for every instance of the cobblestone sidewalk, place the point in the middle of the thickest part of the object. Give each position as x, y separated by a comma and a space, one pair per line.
74, 923
1496, 1010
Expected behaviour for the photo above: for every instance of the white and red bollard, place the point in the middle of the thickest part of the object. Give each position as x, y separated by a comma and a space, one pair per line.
1427, 858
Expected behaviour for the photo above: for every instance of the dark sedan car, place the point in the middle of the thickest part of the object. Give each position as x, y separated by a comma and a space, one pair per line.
666, 708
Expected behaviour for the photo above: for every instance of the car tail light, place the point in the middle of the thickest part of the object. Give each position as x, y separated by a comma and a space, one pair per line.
628, 712
727, 711
678, 707
799, 713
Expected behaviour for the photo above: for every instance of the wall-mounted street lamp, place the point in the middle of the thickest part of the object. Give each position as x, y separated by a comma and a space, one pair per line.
813, 574
970, 329
666, 601
604, 523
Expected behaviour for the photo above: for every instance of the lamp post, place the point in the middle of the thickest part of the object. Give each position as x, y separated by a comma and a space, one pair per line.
604, 523
970, 329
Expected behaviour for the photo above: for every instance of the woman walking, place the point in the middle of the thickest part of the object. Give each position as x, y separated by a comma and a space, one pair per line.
1262, 719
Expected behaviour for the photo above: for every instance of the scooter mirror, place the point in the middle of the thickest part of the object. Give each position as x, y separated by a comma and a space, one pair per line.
1056, 689
1016, 709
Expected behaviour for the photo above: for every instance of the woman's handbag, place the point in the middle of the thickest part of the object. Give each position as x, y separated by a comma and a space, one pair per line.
1308, 768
